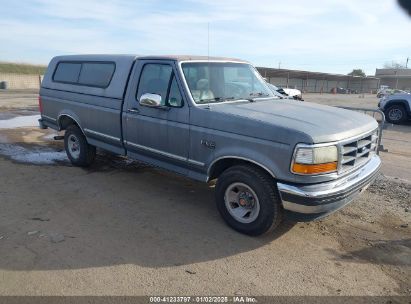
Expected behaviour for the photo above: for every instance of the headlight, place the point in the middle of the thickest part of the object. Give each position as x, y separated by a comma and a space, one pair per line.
314, 160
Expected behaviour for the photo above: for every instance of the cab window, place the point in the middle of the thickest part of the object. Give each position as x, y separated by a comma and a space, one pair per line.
159, 79
155, 79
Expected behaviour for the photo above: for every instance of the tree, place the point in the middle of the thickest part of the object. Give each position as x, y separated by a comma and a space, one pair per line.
394, 65
357, 72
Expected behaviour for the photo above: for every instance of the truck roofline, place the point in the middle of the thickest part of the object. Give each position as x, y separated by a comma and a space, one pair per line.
146, 57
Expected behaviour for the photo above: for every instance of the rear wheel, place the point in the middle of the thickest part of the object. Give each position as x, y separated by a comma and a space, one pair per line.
396, 114
248, 201
78, 150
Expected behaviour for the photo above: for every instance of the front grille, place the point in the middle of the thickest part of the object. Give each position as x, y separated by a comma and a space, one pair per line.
357, 152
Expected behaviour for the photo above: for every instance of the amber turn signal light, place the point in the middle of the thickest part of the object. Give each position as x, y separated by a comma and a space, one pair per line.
315, 169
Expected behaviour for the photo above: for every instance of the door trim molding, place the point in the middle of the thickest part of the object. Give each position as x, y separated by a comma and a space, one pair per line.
195, 162
102, 135
167, 154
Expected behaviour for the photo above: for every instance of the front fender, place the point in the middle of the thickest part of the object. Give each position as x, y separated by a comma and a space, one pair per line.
271, 156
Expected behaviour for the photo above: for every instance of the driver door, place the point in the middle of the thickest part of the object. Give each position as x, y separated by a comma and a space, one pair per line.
158, 135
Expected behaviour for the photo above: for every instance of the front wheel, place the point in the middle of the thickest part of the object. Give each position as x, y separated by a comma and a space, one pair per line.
396, 114
79, 152
248, 201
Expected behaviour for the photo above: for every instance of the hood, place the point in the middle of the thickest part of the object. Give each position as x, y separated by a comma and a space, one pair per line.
320, 123
398, 95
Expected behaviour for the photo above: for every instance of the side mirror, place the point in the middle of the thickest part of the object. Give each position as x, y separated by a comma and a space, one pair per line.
150, 100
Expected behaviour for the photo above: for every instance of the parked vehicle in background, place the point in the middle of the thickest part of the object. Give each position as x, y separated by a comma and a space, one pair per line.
213, 119
382, 92
386, 92
343, 91
339, 91
279, 92
294, 93
396, 107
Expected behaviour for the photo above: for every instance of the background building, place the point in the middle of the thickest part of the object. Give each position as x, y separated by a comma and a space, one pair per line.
395, 78
315, 82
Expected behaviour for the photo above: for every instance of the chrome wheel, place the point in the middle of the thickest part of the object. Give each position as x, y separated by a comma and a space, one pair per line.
73, 146
242, 202
395, 114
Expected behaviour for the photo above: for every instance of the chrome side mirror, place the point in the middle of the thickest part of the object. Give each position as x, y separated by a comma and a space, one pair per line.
150, 100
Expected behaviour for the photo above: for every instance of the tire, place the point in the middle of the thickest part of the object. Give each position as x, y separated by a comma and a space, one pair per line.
396, 114
265, 213
80, 153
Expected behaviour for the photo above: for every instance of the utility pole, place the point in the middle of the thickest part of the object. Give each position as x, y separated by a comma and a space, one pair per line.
406, 64
208, 40
279, 65
396, 81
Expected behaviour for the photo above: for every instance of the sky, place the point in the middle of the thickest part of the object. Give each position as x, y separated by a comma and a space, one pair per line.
332, 36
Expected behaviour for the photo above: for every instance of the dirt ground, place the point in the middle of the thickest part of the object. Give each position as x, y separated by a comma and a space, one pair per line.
124, 228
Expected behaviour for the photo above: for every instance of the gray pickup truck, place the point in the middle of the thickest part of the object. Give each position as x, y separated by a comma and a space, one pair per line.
213, 119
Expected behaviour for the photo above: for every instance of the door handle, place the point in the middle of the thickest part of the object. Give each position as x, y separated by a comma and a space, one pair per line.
133, 110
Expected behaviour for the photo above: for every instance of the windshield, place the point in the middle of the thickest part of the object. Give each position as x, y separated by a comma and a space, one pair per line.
222, 81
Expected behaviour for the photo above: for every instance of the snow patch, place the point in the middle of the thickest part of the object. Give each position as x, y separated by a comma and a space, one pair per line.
38, 156
20, 121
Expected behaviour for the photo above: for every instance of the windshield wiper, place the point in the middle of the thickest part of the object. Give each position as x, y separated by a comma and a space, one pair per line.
255, 95
252, 98
215, 99
259, 94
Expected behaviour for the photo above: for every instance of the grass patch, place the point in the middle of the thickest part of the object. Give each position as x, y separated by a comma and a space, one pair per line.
22, 68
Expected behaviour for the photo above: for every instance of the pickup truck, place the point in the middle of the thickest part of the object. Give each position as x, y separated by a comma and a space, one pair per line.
213, 120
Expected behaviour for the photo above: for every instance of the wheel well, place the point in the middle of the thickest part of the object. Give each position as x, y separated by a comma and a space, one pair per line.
398, 102
223, 164
65, 121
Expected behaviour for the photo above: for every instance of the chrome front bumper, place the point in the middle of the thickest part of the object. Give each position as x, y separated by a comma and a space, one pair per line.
308, 202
